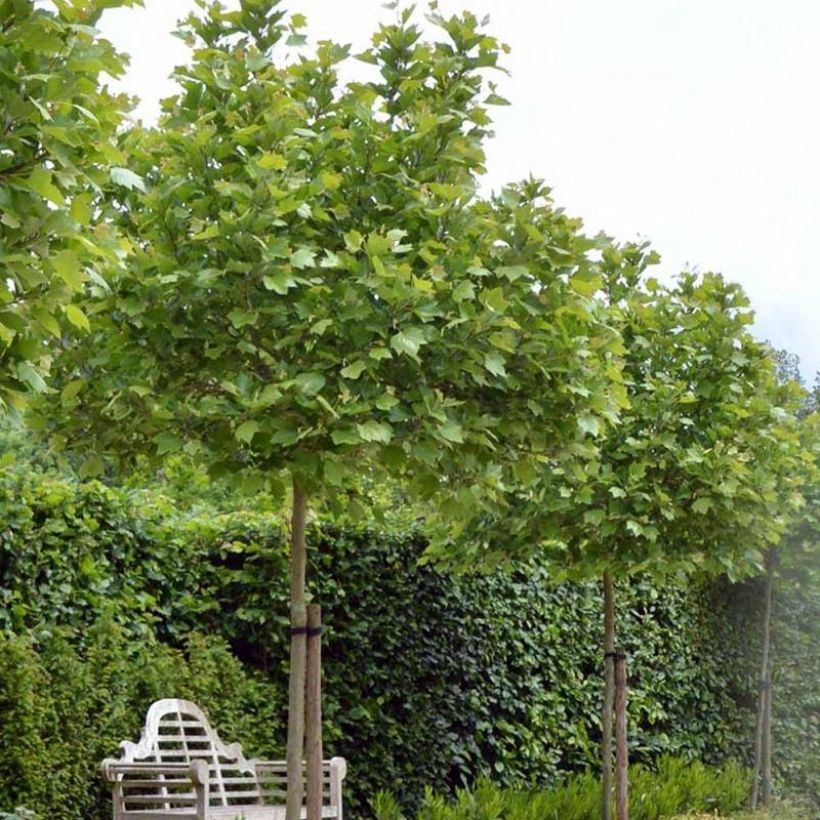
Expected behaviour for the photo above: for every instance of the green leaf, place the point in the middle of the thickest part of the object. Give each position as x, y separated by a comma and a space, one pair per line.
280, 282
494, 299
408, 341
240, 318
702, 505
584, 284
310, 383
512, 272
451, 431
270, 160
29, 374
589, 424
321, 326
68, 268
76, 317
246, 431
81, 208
494, 362
303, 258
72, 389
463, 291
127, 178
594, 517
344, 435
167, 443
353, 241
354, 370
634, 527
375, 431
40, 182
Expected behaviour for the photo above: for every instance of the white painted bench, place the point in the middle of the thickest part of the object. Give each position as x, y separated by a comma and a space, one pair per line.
180, 768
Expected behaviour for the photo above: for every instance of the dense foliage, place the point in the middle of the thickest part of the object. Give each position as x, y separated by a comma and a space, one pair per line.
58, 153
499, 669
315, 284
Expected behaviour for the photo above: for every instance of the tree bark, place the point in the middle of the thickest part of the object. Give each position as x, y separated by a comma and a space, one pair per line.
298, 651
313, 740
764, 693
609, 697
621, 744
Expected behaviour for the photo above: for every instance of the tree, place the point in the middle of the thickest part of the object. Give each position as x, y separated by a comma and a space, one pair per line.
701, 472
57, 154
797, 555
316, 290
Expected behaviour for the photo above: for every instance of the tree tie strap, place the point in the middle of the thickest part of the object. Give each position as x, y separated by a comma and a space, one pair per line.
305, 630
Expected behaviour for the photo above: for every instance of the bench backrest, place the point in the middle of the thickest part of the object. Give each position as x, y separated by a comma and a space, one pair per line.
177, 731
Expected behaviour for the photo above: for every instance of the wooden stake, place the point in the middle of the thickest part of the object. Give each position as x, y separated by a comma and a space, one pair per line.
298, 651
609, 697
763, 694
313, 738
767, 741
621, 746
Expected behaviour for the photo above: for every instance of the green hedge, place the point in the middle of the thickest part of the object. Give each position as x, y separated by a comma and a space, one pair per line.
429, 679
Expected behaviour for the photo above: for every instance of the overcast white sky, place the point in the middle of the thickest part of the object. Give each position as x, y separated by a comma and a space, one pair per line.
692, 123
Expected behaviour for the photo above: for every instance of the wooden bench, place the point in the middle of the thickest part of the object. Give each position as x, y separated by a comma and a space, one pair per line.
181, 769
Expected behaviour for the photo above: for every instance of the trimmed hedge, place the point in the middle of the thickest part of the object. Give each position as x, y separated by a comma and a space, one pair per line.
429, 678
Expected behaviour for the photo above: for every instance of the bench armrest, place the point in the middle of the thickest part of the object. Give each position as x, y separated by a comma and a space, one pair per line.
334, 771
132, 779
334, 765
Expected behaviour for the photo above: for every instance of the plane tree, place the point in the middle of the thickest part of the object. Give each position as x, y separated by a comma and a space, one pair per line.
57, 154
700, 475
316, 290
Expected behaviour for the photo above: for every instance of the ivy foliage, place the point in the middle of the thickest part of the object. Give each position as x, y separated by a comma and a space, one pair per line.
501, 668
58, 154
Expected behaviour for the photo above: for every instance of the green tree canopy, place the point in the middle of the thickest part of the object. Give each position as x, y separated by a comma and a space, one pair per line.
57, 154
704, 468
314, 280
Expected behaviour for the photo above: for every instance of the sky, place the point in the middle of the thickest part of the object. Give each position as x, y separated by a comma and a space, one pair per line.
689, 123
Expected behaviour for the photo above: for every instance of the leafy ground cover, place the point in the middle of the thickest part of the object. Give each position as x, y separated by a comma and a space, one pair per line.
655, 794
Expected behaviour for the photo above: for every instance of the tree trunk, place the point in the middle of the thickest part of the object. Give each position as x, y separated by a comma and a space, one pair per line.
621, 745
609, 697
764, 693
313, 734
298, 651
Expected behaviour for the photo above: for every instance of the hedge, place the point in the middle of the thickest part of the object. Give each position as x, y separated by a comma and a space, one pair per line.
429, 678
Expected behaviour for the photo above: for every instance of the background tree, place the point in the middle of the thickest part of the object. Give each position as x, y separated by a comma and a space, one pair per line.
57, 154
316, 290
702, 471
793, 562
